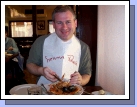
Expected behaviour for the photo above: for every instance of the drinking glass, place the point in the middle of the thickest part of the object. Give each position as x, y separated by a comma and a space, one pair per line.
34, 90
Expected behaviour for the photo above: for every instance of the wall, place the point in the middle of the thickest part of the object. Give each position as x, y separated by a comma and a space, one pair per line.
7, 15
111, 49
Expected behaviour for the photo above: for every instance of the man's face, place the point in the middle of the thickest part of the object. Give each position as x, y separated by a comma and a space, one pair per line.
64, 25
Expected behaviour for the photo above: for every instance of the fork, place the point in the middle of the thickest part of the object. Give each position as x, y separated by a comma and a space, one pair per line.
56, 76
45, 89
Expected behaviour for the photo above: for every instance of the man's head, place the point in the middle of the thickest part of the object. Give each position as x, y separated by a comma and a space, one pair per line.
62, 8
64, 22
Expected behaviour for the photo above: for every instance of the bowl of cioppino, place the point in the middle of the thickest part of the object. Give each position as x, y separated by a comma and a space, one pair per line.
64, 87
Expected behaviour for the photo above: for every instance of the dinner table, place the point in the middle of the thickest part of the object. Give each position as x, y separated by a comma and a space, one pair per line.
89, 89
8, 58
22, 89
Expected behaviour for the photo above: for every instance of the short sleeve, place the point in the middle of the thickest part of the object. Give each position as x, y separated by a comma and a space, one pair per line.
36, 52
85, 60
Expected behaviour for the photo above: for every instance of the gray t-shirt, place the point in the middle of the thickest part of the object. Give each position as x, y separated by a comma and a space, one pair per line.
36, 55
9, 42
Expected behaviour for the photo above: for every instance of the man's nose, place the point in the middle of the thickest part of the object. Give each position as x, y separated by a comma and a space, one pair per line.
64, 25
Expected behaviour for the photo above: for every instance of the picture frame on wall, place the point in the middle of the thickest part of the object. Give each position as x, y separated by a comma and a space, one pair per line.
41, 24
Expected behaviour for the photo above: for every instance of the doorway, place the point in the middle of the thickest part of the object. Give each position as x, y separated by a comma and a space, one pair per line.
87, 32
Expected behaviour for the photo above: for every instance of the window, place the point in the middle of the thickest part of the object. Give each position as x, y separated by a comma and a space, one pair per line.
51, 29
21, 29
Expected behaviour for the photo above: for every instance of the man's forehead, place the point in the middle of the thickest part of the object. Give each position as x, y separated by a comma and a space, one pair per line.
63, 13
64, 17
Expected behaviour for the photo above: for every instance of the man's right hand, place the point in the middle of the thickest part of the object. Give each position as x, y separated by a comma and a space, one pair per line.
49, 74
41, 71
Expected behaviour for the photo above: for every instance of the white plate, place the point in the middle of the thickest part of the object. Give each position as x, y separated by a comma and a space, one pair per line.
79, 93
97, 93
21, 89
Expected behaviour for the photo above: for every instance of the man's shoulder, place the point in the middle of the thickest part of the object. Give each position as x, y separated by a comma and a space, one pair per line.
42, 37
10, 39
83, 44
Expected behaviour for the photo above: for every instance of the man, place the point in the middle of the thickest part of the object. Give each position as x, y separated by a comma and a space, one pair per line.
61, 52
10, 44
12, 48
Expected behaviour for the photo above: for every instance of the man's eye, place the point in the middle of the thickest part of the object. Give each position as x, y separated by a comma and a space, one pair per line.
68, 22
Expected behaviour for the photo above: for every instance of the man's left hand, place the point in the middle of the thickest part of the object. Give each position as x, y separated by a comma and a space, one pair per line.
76, 78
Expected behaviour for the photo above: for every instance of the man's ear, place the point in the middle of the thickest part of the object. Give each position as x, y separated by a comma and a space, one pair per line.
75, 22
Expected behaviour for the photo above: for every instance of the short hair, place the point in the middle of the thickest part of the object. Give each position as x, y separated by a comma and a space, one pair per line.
62, 8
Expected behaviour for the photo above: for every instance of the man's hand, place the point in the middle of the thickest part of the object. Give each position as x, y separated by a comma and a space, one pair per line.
49, 74
10, 48
76, 78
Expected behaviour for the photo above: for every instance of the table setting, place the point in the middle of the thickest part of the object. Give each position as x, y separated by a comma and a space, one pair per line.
23, 90
61, 87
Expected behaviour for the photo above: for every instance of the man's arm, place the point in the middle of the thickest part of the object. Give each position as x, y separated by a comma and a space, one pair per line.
34, 69
15, 48
85, 68
41, 71
85, 79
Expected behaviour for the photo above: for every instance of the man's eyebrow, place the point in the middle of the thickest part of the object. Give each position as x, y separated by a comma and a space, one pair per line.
58, 21
69, 20
65, 21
